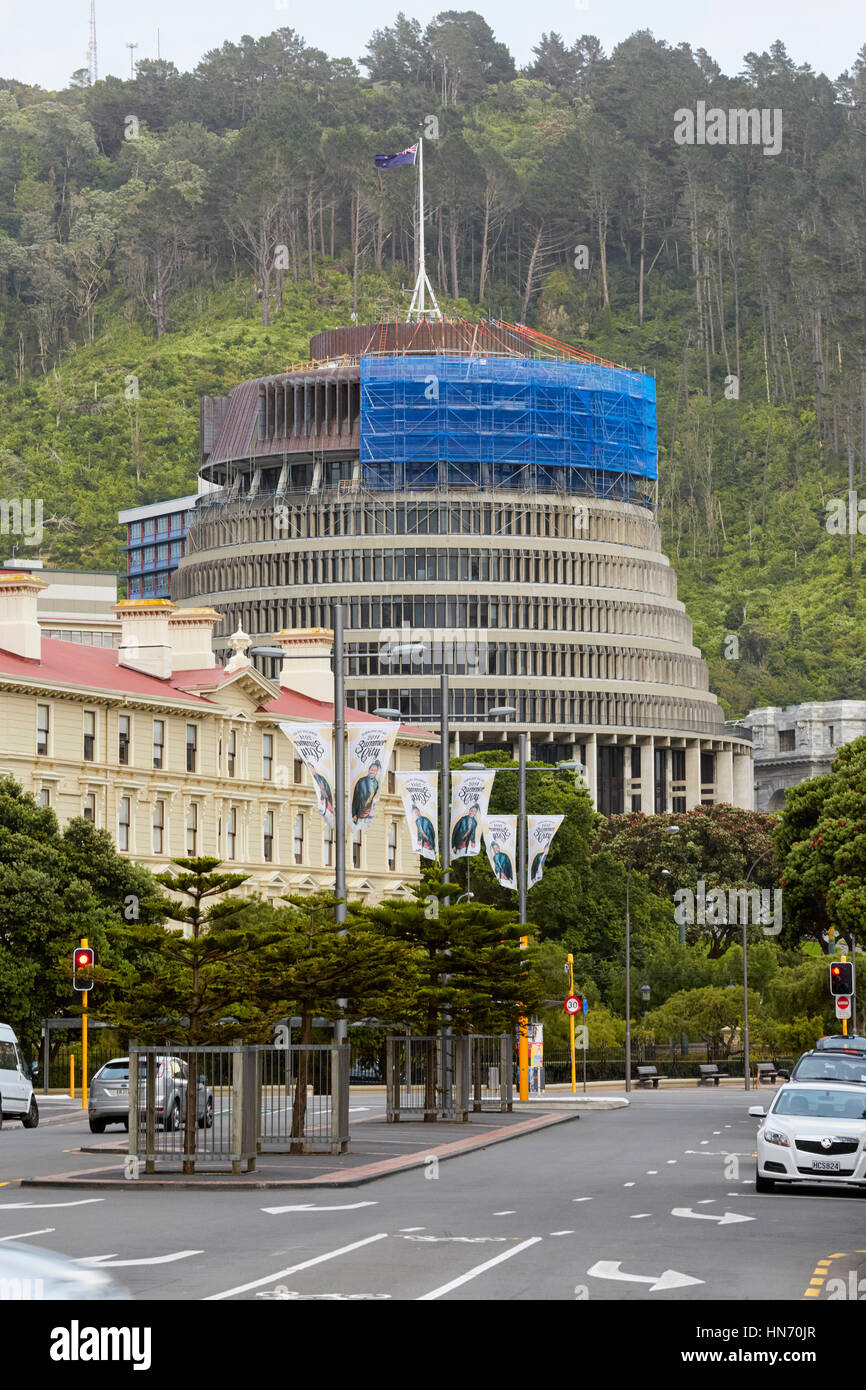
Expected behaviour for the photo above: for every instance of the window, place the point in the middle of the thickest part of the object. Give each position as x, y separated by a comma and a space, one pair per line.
786, 740
42, 729
123, 824
299, 838
192, 827
268, 837
832, 733
298, 772
232, 833
89, 811
356, 848
231, 751
267, 757
392, 846
328, 843
192, 747
392, 782
159, 742
158, 826
44, 797
123, 727
89, 734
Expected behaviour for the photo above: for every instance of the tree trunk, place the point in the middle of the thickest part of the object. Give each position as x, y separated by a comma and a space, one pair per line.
299, 1103
453, 239
530, 274
485, 252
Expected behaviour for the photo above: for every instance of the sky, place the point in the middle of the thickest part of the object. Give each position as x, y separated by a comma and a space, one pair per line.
44, 41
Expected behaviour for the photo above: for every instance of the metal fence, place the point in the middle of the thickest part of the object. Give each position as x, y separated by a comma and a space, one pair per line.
604, 1064
249, 1100
303, 1104
492, 1071
444, 1077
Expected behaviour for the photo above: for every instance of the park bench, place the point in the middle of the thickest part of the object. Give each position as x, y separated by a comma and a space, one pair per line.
648, 1076
765, 1071
709, 1072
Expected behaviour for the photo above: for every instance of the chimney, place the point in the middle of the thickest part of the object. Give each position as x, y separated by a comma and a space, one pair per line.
19, 629
190, 631
307, 661
144, 638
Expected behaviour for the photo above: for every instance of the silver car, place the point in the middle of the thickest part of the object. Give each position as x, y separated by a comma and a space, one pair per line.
108, 1100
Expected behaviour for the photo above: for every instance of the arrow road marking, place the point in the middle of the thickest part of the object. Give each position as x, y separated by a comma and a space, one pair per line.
109, 1261
294, 1269
46, 1230
669, 1279
311, 1206
729, 1218
43, 1206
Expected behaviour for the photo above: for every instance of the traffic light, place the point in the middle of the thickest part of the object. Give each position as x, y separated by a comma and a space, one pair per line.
83, 958
842, 977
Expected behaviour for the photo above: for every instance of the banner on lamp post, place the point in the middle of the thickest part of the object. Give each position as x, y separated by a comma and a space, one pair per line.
500, 840
314, 745
370, 748
541, 832
420, 794
470, 797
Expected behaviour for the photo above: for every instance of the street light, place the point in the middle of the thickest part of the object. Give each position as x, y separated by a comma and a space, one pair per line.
747, 1064
645, 992
666, 830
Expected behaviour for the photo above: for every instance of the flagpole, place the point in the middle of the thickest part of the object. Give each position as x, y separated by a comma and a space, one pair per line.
418, 307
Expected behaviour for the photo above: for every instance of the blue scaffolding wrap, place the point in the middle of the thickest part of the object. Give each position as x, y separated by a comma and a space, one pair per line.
485, 420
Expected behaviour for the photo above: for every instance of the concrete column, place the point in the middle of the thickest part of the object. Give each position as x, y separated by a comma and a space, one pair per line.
743, 779
693, 775
725, 776
592, 767
647, 784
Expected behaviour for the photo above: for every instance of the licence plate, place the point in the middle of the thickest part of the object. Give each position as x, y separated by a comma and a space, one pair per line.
825, 1165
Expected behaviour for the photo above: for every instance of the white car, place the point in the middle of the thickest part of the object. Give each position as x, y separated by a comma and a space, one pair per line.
17, 1101
814, 1132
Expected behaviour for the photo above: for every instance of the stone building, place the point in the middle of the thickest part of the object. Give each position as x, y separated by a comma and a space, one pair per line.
178, 756
793, 744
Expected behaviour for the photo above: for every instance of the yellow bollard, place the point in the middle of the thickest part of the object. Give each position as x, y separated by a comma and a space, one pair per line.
71, 1077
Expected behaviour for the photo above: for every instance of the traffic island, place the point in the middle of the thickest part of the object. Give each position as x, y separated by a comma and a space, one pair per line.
378, 1150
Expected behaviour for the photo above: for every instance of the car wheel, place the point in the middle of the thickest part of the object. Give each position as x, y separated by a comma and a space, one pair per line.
206, 1121
172, 1119
764, 1184
97, 1126
31, 1119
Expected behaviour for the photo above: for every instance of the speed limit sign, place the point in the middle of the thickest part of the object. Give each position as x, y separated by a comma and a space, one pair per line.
573, 1004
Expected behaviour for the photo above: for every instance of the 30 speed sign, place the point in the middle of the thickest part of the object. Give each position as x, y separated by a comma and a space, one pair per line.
573, 1004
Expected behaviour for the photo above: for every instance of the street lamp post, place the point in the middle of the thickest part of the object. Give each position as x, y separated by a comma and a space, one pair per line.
666, 830
747, 1064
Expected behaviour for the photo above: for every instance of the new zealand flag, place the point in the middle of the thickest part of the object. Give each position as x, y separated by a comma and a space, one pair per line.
387, 161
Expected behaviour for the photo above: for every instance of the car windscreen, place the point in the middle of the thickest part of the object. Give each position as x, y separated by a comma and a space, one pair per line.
831, 1069
114, 1071
822, 1104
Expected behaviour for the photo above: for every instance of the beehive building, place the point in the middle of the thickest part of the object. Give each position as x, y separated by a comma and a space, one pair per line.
481, 497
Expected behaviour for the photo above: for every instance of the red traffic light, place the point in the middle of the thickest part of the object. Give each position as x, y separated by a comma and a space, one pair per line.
83, 958
841, 977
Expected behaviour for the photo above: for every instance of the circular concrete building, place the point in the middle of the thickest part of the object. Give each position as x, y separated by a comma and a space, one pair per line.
481, 498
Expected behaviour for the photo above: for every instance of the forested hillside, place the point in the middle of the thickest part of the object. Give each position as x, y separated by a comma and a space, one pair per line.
139, 223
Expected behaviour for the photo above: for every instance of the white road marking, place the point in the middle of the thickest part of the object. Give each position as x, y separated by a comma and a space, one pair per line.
295, 1269
479, 1269
652, 1172
46, 1230
312, 1297
669, 1279
562, 1233
718, 1153
404, 1229
729, 1218
581, 1199
717, 1131
109, 1261
504, 1213
628, 1184
460, 1240
705, 1141
311, 1206
43, 1206
705, 1201
639, 1215
673, 1160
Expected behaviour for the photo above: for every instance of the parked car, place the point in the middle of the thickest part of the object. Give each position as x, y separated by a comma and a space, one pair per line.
108, 1099
825, 1065
814, 1134
27, 1272
17, 1101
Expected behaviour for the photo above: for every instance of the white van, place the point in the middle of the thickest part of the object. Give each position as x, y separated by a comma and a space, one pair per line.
17, 1101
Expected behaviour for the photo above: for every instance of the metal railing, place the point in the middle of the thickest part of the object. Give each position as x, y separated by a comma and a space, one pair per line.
428, 1078
492, 1071
249, 1100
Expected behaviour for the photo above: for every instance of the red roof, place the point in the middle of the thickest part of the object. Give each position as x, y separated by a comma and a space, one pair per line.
96, 669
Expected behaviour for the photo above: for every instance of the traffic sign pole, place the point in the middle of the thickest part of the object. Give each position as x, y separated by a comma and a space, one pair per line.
571, 1020
84, 1045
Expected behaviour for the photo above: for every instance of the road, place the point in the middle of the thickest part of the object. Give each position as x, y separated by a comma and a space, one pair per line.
656, 1202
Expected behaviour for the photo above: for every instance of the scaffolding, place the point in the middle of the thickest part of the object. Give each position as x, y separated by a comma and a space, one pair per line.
440, 421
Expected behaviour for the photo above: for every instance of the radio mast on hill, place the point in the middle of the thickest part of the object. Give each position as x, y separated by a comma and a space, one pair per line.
92, 63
